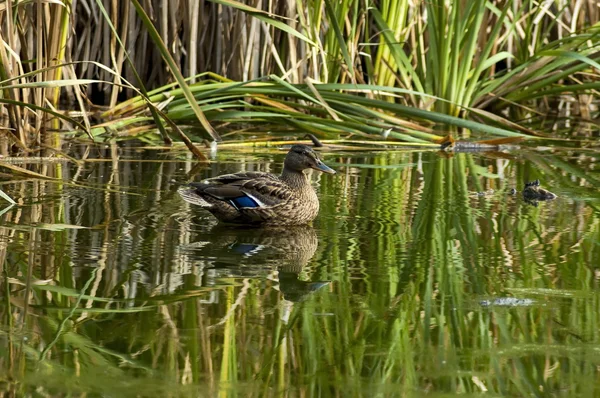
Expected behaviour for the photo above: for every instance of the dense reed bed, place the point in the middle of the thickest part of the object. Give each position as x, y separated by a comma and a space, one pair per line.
343, 69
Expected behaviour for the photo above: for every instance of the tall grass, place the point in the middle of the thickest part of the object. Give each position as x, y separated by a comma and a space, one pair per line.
471, 61
457, 67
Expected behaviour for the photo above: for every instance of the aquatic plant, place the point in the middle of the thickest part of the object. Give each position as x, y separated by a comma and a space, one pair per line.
348, 69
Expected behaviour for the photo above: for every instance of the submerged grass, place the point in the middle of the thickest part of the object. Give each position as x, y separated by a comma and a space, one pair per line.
152, 291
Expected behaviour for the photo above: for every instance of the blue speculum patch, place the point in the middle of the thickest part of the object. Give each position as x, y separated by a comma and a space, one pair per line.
244, 201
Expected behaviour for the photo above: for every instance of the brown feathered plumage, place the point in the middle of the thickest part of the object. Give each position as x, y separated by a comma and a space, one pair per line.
262, 198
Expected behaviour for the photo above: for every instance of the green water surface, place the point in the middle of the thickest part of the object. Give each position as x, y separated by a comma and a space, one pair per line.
409, 282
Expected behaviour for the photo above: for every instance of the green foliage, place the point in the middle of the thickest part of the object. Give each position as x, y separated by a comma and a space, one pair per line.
434, 64
327, 110
415, 69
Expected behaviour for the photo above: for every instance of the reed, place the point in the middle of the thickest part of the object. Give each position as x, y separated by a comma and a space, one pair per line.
425, 59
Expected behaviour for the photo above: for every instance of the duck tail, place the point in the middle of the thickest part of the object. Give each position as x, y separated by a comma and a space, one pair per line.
191, 195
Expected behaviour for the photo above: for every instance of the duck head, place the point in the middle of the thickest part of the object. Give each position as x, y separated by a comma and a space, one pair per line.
302, 157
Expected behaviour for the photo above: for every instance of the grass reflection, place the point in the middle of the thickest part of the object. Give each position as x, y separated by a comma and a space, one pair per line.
130, 292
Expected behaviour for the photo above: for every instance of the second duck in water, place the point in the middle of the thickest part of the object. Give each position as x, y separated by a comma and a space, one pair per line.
253, 197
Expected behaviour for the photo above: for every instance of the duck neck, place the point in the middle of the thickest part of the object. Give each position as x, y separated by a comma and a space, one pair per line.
294, 178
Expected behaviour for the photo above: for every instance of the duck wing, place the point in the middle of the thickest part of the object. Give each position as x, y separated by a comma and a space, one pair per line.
270, 192
246, 190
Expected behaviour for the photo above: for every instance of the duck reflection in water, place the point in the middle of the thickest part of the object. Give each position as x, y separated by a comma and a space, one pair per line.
256, 252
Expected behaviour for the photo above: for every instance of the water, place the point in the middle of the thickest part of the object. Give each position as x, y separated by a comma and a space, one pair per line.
409, 282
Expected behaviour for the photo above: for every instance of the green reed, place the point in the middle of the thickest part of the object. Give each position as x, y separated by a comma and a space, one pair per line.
430, 62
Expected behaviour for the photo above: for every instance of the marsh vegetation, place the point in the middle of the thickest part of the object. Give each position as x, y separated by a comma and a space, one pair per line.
421, 274
349, 69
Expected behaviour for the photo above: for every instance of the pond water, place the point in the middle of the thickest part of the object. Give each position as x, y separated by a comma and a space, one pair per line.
408, 283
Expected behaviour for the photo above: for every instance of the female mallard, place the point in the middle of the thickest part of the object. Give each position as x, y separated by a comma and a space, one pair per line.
253, 197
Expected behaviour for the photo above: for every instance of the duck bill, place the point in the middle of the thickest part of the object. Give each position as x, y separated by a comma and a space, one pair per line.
324, 168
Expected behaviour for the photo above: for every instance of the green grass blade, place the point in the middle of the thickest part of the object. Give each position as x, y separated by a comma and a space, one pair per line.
571, 54
143, 90
340, 38
410, 77
174, 69
265, 17
5, 196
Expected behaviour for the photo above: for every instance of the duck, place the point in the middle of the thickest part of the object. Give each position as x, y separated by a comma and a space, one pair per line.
258, 198
533, 192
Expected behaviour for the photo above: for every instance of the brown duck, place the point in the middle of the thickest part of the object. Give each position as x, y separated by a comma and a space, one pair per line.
261, 198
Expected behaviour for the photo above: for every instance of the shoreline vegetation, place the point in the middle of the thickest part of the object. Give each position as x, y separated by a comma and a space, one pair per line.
425, 273
349, 70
